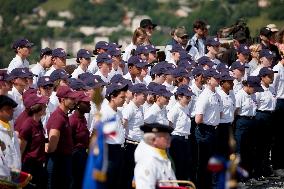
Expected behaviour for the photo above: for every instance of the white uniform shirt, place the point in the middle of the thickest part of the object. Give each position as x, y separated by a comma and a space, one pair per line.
39, 71
194, 98
278, 82
77, 72
17, 97
238, 85
134, 116
197, 47
49, 109
155, 114
146, 107
90, 117
127, 51
107, 114
210, 106
115, 72
266, 100
169, 87
48, 72
93, 67
229, 106
105, 79
54, 101
17, 62
180, 118
246, 103
151, 167
168, 53
128, 76
12, 154
256, 71
147, 79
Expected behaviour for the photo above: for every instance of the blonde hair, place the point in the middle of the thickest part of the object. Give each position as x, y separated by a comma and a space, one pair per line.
255, 48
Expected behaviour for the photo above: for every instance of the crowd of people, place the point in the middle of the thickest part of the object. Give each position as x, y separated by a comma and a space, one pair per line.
172, 111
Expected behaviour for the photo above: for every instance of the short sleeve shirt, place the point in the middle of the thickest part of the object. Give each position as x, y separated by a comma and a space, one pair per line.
246, 103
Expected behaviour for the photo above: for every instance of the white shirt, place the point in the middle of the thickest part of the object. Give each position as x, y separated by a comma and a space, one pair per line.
229, 102
107, 114
256, 71
90, 117
180, 118
135, 118
105, 79
12, 154
155, 114
210, 106
39, 71
48, 72
93, 67
77, 72
278, 82
147, 79
128, 76
146, 107
238, 85
168, 53
54, 101
151, 167
266, 100
114, 72
194, 98
49, 109
127, 51
169, 87
246, 103
197, 47
17, 62
17, 97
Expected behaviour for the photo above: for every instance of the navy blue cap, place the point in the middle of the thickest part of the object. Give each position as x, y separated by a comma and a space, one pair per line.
225, 76
22, 43
161, 68
266, 53
84, 76
19, 73
197, 71
77, 84
120, 79
44, 81
138, 62
205, 60
238, 65
180, 72
152, 48
161, 90
184, 90
4, 76
243, 49
59, 74
94, 81
177, 48
212, 41
115, 87
254, 81
221, 67
102, 45
184, 56
186, 64
211, 73
112, 44
45, 51
266, 71
31, 75
83, 53
114, 50
147, 22
138, 88
104, 58
151, 86
156, 128
142, 49
7, 101
59, 52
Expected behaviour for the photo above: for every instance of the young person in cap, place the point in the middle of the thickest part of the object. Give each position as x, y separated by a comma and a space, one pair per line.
245, 121
115, 94
19, 80
179, 118
212, 48
142, 51
148, 26
5, 83
104, 62
32, 140
81, 138
158, 72
276, 152
207, 117
117, 64
238, 72
133, 117
83, 59
266, 103
58, 60
150, 99
59, 78
44, 63
243, 54
135, 65
101, 47
157, 113
10, 149
152, 162
23, 49
265, 58
60, 145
